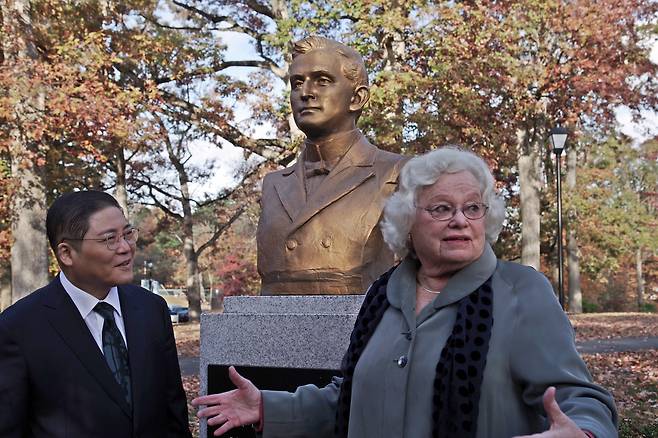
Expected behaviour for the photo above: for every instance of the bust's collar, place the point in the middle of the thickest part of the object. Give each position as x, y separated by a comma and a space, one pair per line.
330, 150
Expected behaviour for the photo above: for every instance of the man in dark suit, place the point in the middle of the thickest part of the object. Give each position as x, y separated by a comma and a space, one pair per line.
318, 231
90, 355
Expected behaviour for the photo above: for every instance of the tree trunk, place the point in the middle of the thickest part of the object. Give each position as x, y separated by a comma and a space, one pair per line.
640, 278
575, 294
530, 191
120, 190
29, 251
201, 288
192, 281
5, 288
189, 251
216, 299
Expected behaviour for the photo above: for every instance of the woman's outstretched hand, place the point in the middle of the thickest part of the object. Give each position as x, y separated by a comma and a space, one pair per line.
232, 408
561, 425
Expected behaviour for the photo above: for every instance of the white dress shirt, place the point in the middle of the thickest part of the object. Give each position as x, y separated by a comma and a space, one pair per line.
85, 303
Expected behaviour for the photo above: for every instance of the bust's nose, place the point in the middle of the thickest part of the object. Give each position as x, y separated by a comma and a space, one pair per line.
307, 91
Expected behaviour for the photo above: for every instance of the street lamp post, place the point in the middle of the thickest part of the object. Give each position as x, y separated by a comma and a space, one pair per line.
148, 266
558, 139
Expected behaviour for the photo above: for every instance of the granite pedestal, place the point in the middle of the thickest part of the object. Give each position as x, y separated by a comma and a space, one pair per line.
278, 342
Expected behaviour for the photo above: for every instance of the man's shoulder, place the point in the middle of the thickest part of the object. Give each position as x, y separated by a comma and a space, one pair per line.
23, 309
276, 174
384, 158
140, 295
390, 159
272, 177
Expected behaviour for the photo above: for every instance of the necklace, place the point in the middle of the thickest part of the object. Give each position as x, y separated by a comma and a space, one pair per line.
435, 292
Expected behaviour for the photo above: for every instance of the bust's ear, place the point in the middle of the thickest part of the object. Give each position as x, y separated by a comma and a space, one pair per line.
360, 98
65, 254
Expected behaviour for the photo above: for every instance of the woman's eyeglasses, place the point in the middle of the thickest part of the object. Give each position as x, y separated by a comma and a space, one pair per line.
445, 212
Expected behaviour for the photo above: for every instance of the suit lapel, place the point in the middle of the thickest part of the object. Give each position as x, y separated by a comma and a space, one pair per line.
135, 324
350, 172
290, 189
65, 319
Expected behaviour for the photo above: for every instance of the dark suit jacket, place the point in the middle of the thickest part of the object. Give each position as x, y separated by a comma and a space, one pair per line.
54, 381
329, 243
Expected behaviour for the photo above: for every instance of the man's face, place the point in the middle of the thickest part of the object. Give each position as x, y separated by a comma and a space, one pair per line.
320, 94
93, 267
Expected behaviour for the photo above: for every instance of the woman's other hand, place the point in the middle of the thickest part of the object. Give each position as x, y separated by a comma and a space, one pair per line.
561, 425
232, 408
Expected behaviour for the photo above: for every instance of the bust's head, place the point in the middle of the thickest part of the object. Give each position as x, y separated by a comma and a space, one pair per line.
329, 86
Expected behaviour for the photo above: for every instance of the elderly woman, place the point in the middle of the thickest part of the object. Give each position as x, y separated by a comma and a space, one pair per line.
450, 343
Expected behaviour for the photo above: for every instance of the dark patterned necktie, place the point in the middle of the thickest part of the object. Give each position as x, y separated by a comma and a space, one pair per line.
114, 349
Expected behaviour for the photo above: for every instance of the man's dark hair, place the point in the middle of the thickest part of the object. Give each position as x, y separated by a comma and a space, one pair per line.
68, 216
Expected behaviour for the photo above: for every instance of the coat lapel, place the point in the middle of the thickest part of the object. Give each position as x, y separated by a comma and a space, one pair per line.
67, 322
290, 189
350, 172
135, 323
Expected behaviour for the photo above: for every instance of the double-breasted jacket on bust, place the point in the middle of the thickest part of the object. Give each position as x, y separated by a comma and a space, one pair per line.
328, 242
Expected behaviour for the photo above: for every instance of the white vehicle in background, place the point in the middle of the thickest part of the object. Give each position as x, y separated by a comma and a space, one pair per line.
175, 298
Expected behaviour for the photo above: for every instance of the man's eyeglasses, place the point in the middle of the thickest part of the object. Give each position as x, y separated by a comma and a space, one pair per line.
445, 212
113, 240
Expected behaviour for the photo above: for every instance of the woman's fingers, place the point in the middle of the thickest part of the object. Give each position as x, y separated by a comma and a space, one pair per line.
209, 411
211, 399
239, 381
223, 429
553, 411
218, 419
233, 408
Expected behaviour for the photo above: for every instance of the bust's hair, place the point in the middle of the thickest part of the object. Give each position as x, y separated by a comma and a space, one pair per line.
423, 171
352, 63
68, 216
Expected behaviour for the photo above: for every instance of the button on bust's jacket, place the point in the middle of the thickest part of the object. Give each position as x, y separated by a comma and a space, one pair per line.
329, 243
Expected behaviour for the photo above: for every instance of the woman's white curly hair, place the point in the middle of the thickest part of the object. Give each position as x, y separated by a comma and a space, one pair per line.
425, 170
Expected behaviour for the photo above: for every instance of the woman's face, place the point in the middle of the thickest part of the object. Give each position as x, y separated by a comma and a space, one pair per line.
447, 246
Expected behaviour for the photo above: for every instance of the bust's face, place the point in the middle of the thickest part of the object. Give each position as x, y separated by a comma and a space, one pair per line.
320, 95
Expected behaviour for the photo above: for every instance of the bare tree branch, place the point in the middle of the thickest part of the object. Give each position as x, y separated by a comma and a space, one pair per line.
232, 25
260, 8
161, 206
154, 188
271, 149
219, 231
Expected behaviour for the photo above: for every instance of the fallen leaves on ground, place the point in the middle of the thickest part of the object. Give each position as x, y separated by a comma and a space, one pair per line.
187, 339
632, 378
191, 386
614, 325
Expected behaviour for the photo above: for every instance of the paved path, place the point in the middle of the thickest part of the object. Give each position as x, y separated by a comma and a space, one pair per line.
189, 366
617, 345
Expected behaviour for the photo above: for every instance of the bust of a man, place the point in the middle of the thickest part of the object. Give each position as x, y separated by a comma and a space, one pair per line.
318, 231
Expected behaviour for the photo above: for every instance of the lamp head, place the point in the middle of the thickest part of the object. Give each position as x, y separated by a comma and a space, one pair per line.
558, 139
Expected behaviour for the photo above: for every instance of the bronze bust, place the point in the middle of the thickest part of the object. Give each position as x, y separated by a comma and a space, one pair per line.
318, 232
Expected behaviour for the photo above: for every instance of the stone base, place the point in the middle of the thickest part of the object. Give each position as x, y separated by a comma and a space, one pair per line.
268, 337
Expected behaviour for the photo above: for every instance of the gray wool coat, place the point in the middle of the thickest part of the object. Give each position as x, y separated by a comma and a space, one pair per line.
531, 348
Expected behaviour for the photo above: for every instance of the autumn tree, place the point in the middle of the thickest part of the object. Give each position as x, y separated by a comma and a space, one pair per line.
20, 113
173, 194
496, 76
61, 116
615, 217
